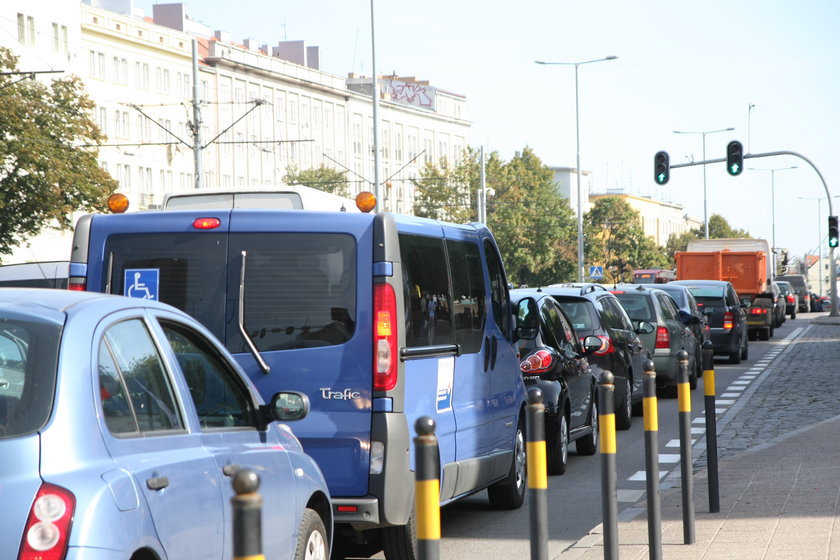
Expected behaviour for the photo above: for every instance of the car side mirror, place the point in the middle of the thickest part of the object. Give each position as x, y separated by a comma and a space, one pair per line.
288, 406
644, 327
527, 319
592, 344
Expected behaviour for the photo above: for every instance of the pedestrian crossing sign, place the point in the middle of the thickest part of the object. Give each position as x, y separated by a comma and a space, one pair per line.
596, 272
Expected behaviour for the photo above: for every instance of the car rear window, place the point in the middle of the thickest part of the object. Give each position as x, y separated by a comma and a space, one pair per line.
638, 306
678, 295
28, 364
580, 313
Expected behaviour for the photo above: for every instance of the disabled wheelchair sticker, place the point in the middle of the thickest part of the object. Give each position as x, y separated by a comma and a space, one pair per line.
142, 283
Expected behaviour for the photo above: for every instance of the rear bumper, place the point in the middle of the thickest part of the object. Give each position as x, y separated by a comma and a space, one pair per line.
726, 341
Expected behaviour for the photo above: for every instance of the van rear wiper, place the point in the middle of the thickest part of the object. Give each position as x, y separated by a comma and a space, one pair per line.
266, 369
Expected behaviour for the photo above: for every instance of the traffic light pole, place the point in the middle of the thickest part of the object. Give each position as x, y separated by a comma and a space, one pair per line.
832, 269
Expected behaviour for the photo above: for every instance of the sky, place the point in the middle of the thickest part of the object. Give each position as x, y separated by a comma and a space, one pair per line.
770, 69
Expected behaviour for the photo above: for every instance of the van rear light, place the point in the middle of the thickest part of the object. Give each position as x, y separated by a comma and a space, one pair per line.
728, 320
663, 338
384, 337
206, 223
77, 284
47, 529
377, 457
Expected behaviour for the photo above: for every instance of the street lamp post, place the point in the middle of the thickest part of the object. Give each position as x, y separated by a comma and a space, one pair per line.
773, 203
577, 149
705, 200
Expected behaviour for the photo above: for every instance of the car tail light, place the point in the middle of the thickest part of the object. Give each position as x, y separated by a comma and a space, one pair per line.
48, 526
790, 298
384, 337
758, 311
77, 284
607, 347
663, 338
538, 362
728, 320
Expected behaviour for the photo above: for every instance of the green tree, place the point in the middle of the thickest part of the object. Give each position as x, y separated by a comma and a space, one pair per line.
719, 228
48, 158
615, 239
322, 178
533, 226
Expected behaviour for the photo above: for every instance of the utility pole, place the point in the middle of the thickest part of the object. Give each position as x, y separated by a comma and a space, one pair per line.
197, 148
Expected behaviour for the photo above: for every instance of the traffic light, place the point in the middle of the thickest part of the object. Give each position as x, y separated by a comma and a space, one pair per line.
661, 168
734, 158
832, 231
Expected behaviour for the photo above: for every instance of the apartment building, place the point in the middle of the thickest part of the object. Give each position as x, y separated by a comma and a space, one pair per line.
659, 219
263, 108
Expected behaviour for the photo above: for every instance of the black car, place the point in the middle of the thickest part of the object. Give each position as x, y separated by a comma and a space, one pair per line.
595, 311
726, 314
554, 360
790, 296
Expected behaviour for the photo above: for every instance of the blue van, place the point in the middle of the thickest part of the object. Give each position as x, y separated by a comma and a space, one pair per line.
379, 318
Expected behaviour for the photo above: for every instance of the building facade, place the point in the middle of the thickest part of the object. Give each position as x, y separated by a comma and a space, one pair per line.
262, 109
659, 219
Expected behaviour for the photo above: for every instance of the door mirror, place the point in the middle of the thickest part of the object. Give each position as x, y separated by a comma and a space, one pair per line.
287, 406
527, 319
592, 344
644, 327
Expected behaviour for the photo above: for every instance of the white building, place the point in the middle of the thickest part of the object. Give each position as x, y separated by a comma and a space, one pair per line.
264, 108
659, 219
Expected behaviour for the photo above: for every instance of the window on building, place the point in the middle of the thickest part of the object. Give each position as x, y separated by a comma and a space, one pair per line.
26, 30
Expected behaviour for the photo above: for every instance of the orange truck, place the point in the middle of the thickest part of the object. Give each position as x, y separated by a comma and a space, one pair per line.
747, 264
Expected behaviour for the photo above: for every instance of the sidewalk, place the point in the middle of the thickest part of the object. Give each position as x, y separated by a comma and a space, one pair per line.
778, 500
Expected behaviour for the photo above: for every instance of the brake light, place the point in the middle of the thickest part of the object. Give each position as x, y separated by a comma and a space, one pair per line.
48, 526
384, 337
728, 320
663, 338
538, 362
206, 223
758, 311
77, 284
607, 346
790, 298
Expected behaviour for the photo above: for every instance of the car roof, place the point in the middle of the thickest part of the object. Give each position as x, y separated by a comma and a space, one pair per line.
701, 282
581, 289
54, 301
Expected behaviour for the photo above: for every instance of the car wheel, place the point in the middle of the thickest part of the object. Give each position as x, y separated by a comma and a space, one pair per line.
624, 409
692, 376
735, 357
312, 538
557, 452
793, 313
588, 444
510, 492
745, 351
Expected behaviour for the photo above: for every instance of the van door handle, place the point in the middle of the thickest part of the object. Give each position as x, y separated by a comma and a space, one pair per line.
493, 349
486, 353
157, 483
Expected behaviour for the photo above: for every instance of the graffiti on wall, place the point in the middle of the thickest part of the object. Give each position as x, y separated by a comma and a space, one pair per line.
410, 93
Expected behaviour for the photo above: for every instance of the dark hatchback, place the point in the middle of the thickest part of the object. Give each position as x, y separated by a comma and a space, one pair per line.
554, 360
727, 318
594, 311
687, 304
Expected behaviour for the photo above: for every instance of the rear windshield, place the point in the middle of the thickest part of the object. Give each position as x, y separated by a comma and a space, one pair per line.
580, 312
300, 288
678, 295
28, 362
638, 306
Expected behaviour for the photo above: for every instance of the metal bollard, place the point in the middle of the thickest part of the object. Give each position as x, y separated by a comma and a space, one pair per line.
427, 489
247, 516
609, 493
684, 392
651, 417
711, 425
537, 475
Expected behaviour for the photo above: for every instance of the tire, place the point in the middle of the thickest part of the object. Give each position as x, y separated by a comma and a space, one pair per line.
557, 451
745, 351
312, 541
793, 313
735, 357
510, 492
624, 409
588, 444
692, 377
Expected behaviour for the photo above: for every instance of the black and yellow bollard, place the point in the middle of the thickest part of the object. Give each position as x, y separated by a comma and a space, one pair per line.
687, 474
247, 516
427, 489
537, 474
609, 492
711, 425
651, 417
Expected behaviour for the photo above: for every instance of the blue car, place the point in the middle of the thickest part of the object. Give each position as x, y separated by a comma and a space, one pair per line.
122, 423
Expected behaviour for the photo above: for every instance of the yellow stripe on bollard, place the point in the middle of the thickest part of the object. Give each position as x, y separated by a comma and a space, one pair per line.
255, 557
537, 477
607, 433
428, 514
709, 382
684, 392
651, 414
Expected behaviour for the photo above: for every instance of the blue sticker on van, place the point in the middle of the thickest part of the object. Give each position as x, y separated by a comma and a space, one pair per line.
142, 283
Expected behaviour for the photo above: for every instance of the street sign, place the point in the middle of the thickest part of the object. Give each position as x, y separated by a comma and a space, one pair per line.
596, 272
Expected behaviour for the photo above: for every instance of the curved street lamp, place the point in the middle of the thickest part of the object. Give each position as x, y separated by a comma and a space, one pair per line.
577, 143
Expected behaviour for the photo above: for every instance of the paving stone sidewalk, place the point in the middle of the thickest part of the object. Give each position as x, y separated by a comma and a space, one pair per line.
779, 470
